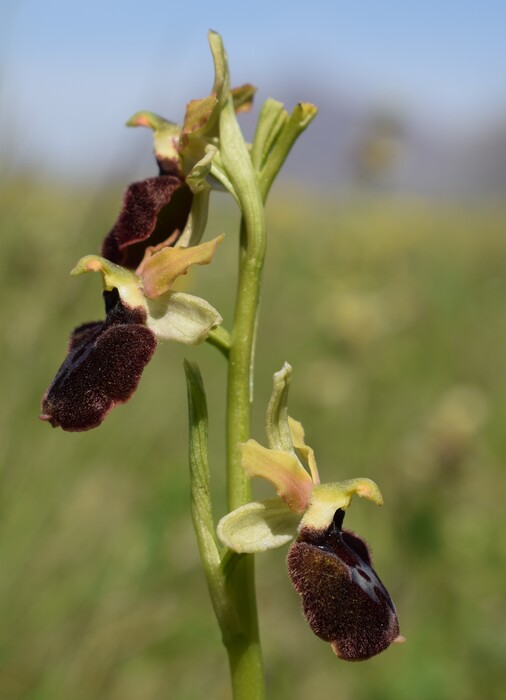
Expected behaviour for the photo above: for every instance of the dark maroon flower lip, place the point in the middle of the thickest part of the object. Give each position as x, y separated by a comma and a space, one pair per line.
102, 369
154, 211
343, 599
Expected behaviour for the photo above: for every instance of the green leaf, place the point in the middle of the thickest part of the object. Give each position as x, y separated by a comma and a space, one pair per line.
201, 497
199, 467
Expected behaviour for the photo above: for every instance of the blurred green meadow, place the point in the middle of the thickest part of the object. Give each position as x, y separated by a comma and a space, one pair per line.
393, 315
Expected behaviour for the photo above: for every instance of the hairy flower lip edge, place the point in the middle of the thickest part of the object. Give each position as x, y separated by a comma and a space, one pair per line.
142, 219
79, 398
360, 623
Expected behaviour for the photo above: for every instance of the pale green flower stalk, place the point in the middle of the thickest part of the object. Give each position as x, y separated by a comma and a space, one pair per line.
248, 173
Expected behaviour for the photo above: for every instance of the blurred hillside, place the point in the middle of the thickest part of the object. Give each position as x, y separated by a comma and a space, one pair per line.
417, 154
357, 142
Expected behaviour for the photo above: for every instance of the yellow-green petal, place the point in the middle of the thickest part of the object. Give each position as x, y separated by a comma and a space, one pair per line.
126, 282
327, 498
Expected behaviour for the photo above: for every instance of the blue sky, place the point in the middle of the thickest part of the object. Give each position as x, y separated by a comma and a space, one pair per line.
73, 72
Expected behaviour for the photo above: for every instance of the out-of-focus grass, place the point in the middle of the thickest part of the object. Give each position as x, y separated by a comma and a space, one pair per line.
393, 317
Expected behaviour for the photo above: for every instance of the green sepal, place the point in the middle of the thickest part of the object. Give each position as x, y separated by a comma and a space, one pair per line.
258, 526
201, 118
221, 84
181, 317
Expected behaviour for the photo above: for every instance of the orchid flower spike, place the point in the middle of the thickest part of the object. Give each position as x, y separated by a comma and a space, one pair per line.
343, 599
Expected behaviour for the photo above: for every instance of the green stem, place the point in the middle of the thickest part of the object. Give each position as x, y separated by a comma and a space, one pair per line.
220, 338
244, 649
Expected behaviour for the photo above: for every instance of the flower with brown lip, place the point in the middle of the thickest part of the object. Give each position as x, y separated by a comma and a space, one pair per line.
343, 599
171, 208
105, 359
155, 238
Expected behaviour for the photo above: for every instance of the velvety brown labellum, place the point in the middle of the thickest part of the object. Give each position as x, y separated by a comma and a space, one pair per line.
154, 211
104, 364
343, 599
